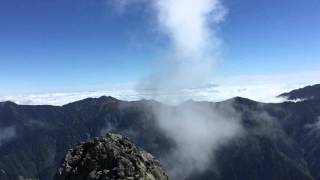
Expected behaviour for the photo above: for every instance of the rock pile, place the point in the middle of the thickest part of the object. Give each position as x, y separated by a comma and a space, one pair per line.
112, 157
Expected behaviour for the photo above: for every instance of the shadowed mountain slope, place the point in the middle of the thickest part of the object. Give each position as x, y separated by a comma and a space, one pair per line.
280, 140
309, 92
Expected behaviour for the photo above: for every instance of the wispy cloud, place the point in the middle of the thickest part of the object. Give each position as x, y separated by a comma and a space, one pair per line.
6, 134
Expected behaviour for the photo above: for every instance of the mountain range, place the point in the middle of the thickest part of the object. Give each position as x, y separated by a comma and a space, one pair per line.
281, 140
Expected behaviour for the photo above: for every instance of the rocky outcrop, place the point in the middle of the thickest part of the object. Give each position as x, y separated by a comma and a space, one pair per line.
109, 157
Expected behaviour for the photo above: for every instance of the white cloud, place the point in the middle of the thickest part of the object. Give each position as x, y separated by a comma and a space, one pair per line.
260, 88
196, 128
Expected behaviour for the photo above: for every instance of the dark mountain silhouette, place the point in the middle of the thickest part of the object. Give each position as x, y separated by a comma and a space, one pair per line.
281, 140
309, 92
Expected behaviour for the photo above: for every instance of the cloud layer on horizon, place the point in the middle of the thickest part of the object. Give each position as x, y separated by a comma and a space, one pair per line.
262, 88
259, 92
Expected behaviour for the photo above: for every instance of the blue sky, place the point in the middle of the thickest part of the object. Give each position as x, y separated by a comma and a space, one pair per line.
75, 45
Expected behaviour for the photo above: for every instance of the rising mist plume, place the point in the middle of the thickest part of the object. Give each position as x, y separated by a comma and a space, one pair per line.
191, 29
193, 43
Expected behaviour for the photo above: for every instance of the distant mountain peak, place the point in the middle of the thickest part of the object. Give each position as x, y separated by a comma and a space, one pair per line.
240, 100
7, 103
107, 98
305, 93
96, 101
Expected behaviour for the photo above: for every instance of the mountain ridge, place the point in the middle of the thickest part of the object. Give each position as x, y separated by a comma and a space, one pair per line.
305, 93
277, 135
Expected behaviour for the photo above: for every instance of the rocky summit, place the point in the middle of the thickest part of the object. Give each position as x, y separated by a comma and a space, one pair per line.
111, 157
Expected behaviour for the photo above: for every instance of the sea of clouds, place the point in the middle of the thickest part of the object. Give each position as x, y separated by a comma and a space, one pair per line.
265, 91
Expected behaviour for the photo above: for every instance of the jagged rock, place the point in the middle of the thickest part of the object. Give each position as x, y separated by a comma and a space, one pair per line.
111, 157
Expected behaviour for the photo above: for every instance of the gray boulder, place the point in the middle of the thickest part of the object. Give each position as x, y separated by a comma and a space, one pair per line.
111, 157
